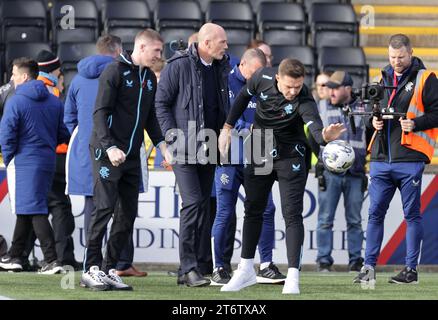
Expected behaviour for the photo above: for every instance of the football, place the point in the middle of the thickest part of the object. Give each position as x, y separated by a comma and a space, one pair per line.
338, 156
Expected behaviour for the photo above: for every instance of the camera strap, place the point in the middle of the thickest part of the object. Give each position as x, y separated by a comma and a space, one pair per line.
394, 91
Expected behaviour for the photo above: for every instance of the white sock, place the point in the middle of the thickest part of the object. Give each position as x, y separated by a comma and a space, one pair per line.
247, 264
264, 265
293, 274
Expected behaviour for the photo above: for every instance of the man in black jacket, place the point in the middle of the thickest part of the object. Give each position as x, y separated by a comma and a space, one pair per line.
124, 107
399, 154
284, 105
193, 96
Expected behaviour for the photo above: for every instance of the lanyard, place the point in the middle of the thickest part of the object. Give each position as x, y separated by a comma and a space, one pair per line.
395, 84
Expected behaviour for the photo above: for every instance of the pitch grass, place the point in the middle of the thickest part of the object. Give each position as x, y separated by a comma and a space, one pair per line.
160, 286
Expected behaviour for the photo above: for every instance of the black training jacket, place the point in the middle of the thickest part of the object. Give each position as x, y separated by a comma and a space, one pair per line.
124, 107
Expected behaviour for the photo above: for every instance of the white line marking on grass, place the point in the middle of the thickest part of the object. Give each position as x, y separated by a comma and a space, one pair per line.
5, 298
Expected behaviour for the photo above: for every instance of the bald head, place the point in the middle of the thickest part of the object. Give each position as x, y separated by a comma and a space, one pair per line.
251, 61
212, 42
209, 31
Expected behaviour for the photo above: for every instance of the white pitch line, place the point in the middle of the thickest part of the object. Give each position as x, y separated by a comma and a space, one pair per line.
5, 298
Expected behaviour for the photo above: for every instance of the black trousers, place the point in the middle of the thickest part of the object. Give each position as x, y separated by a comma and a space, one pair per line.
39, 223
205, 259
291, 174
195, 182
127, 255
112, 184
63, 222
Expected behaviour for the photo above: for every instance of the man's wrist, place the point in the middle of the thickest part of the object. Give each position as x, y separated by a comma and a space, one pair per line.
228, 126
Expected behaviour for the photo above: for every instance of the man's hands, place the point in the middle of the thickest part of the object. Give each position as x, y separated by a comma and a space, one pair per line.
407, 125
224, 140
333, 131
377, 124
116, 156
168, 158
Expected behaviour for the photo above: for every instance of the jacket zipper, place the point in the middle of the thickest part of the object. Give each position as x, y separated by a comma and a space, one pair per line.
138, 108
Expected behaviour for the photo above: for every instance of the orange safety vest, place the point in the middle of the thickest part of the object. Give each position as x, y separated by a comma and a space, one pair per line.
60, 148
422, 141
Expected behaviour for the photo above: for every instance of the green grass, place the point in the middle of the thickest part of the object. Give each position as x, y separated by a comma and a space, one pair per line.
158, 285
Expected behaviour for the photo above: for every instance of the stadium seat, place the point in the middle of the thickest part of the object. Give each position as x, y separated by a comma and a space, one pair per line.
170, 48
351, 59
23, 20
303, 53
307, 4
176, 20
333, 25
282, 23
236, 50
235, 18
204, 4
152, 4
126, 18
86, 26
70, 53
255, 4
22, 49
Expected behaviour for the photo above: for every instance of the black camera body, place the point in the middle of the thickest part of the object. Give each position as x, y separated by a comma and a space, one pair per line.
371, 92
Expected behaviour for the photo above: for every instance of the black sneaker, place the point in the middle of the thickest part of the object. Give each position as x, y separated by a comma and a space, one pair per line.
406, 276
220, 277
324, 267
270, 274
366, 276
10, 264
53, 267
356, 265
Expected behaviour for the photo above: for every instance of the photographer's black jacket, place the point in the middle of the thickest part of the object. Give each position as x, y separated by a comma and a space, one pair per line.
273, 111
392, 129
124, 107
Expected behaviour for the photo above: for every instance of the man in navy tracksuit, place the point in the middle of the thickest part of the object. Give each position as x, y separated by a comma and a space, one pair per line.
399, 154
31, 127
228, 180
124, 107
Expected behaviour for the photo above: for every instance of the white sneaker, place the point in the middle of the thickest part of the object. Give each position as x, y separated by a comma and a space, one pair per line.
115, 282
292, 282
93, 279
242, 278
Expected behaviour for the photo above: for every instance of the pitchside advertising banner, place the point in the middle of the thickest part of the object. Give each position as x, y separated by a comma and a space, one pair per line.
156, 227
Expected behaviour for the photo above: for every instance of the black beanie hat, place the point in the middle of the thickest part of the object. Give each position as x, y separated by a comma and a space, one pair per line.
47, 61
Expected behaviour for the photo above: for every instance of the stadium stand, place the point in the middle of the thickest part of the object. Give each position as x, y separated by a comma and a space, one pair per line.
86, 23
282, 23
177, 20
126, 18
22, 49
235, 17
303, 53
236, 50
351, 59
333, 24
23, 20
255, 4
307, 4
70, 53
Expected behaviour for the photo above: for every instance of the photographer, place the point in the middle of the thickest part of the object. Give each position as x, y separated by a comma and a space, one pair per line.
351, 184
398, 159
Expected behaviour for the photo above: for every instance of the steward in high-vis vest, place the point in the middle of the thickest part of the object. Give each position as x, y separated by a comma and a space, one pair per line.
409, 145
